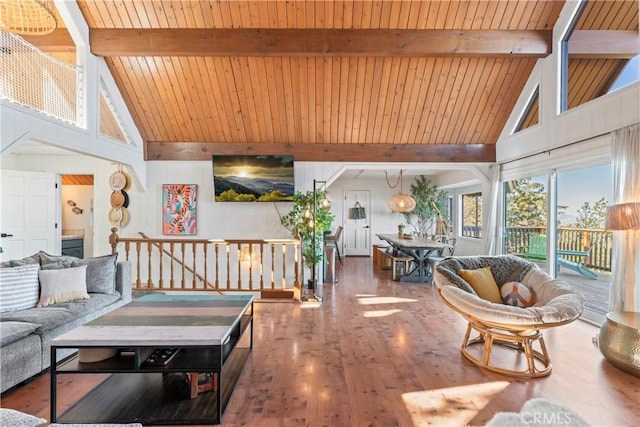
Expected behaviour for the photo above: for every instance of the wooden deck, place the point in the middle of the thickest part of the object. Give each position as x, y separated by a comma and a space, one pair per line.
595, 292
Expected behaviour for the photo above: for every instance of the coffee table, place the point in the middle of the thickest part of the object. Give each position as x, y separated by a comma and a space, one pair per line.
211, 335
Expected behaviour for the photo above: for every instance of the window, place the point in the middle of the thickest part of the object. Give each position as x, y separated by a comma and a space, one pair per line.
525, 217
472, 215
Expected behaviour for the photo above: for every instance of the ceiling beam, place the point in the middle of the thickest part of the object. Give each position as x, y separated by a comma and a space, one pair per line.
59, 40
603, 44
432, 153
318, 42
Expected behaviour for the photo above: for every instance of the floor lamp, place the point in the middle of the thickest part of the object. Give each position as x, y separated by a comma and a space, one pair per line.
619, 337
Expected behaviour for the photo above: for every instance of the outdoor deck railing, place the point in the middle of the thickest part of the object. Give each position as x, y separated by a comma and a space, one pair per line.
245, 265
569, 239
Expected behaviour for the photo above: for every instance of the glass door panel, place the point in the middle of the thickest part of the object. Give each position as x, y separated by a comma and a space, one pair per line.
583, 245
526, 220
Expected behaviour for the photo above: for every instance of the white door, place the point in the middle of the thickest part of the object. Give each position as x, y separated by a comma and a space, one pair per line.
30, 214
356, 238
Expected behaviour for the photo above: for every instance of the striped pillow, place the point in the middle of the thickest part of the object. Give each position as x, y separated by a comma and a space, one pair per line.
19, 287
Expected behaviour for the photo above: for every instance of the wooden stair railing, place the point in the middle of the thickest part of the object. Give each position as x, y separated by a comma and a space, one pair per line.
269, 265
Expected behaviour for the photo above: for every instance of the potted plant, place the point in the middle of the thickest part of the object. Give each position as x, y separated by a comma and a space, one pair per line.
400, 230
428, 206
301, 222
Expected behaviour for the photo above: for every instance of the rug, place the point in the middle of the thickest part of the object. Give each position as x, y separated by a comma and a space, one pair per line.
538, 413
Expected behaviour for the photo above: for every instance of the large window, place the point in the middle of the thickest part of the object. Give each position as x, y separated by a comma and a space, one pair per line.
472, 215
526, 217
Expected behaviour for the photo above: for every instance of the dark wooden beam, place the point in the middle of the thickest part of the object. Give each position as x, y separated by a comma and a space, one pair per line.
317, 42
57, 41
190, 151
604, 44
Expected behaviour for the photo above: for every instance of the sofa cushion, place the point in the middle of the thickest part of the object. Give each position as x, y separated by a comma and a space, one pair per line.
13, 331
20, 262
62, 285
13, 418
18, 287
101, 273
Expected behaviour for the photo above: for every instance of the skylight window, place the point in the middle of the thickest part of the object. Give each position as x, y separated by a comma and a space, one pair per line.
630, 74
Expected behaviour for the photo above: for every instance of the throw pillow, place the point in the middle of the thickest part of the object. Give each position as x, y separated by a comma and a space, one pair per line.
46, 258
18, 287
13, 418
482, 281
56, 265
64, 285
101, 273
517, 294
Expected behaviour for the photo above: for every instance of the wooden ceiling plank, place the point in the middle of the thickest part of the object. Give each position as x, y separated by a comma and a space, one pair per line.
408, 107
399, 105
382, 99
353, 83
227, 82
175, 80
489, 78
604, 44
314, 42
201, 98
336, 64
421, 108
363, 98
244, 89
326, 85
342, 99
437, 96
451, 127
375, 74
431, 153
210, 86
476, 83
128, 90
282, 131
272, 112
288, 98
174, 124
146, 86
319, 100
450, 98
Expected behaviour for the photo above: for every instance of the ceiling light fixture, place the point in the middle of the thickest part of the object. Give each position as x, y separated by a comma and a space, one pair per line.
27, 17
400, 202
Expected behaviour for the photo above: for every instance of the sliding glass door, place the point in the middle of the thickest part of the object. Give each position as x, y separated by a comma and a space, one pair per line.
583, 246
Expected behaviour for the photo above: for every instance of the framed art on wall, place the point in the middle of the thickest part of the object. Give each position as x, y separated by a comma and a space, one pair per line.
179, 209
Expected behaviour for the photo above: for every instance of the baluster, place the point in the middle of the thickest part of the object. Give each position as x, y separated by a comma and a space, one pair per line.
126, 251
182, 250
138, 250
228, 248
273, 266
172, 282
205, 248
193, 253
217, 249
239, 269
160, 262
250, 265
149, 279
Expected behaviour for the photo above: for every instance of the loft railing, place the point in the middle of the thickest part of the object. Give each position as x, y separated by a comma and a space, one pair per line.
597, 241
219, 265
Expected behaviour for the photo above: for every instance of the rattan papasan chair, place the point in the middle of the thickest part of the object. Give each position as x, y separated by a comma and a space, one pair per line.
496, 323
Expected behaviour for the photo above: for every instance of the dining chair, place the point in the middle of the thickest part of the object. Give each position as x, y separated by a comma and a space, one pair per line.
332, 240
446, 252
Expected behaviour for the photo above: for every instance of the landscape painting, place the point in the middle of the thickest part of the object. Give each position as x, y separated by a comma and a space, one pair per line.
247, 178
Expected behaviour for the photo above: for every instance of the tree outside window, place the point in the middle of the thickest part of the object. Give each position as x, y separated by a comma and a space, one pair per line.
472, 215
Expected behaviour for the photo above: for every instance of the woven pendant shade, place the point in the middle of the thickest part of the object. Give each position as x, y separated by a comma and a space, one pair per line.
401, 203
28, 17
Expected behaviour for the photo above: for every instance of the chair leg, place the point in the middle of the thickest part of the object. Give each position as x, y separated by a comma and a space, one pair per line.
338, 252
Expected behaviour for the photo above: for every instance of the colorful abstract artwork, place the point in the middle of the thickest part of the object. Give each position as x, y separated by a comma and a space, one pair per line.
179, 209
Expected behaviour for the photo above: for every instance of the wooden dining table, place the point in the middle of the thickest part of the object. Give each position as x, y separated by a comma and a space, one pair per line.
419, 249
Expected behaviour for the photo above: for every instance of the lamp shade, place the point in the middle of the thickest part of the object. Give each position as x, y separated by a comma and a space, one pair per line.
27, 17
623, 216
401, 203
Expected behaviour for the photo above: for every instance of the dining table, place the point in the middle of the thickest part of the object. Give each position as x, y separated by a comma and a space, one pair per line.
419, 249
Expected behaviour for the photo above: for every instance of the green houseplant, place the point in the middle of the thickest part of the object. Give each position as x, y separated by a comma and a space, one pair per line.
427, 212
300, 221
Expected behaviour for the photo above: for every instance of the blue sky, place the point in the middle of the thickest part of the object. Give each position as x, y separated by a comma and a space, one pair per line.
584, 185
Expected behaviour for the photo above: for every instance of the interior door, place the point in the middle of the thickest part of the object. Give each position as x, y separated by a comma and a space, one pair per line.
356, 239
30, 214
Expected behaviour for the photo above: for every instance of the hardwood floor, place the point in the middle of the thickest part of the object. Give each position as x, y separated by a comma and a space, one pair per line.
383, 353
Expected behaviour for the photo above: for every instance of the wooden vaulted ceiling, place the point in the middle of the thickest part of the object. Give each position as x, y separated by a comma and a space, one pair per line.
336, 80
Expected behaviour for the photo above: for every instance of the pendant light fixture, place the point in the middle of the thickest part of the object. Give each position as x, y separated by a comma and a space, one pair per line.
400, 202
27, 17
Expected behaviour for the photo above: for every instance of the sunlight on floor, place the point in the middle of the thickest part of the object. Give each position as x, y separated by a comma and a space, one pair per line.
383, 300
381, 313
453, 406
